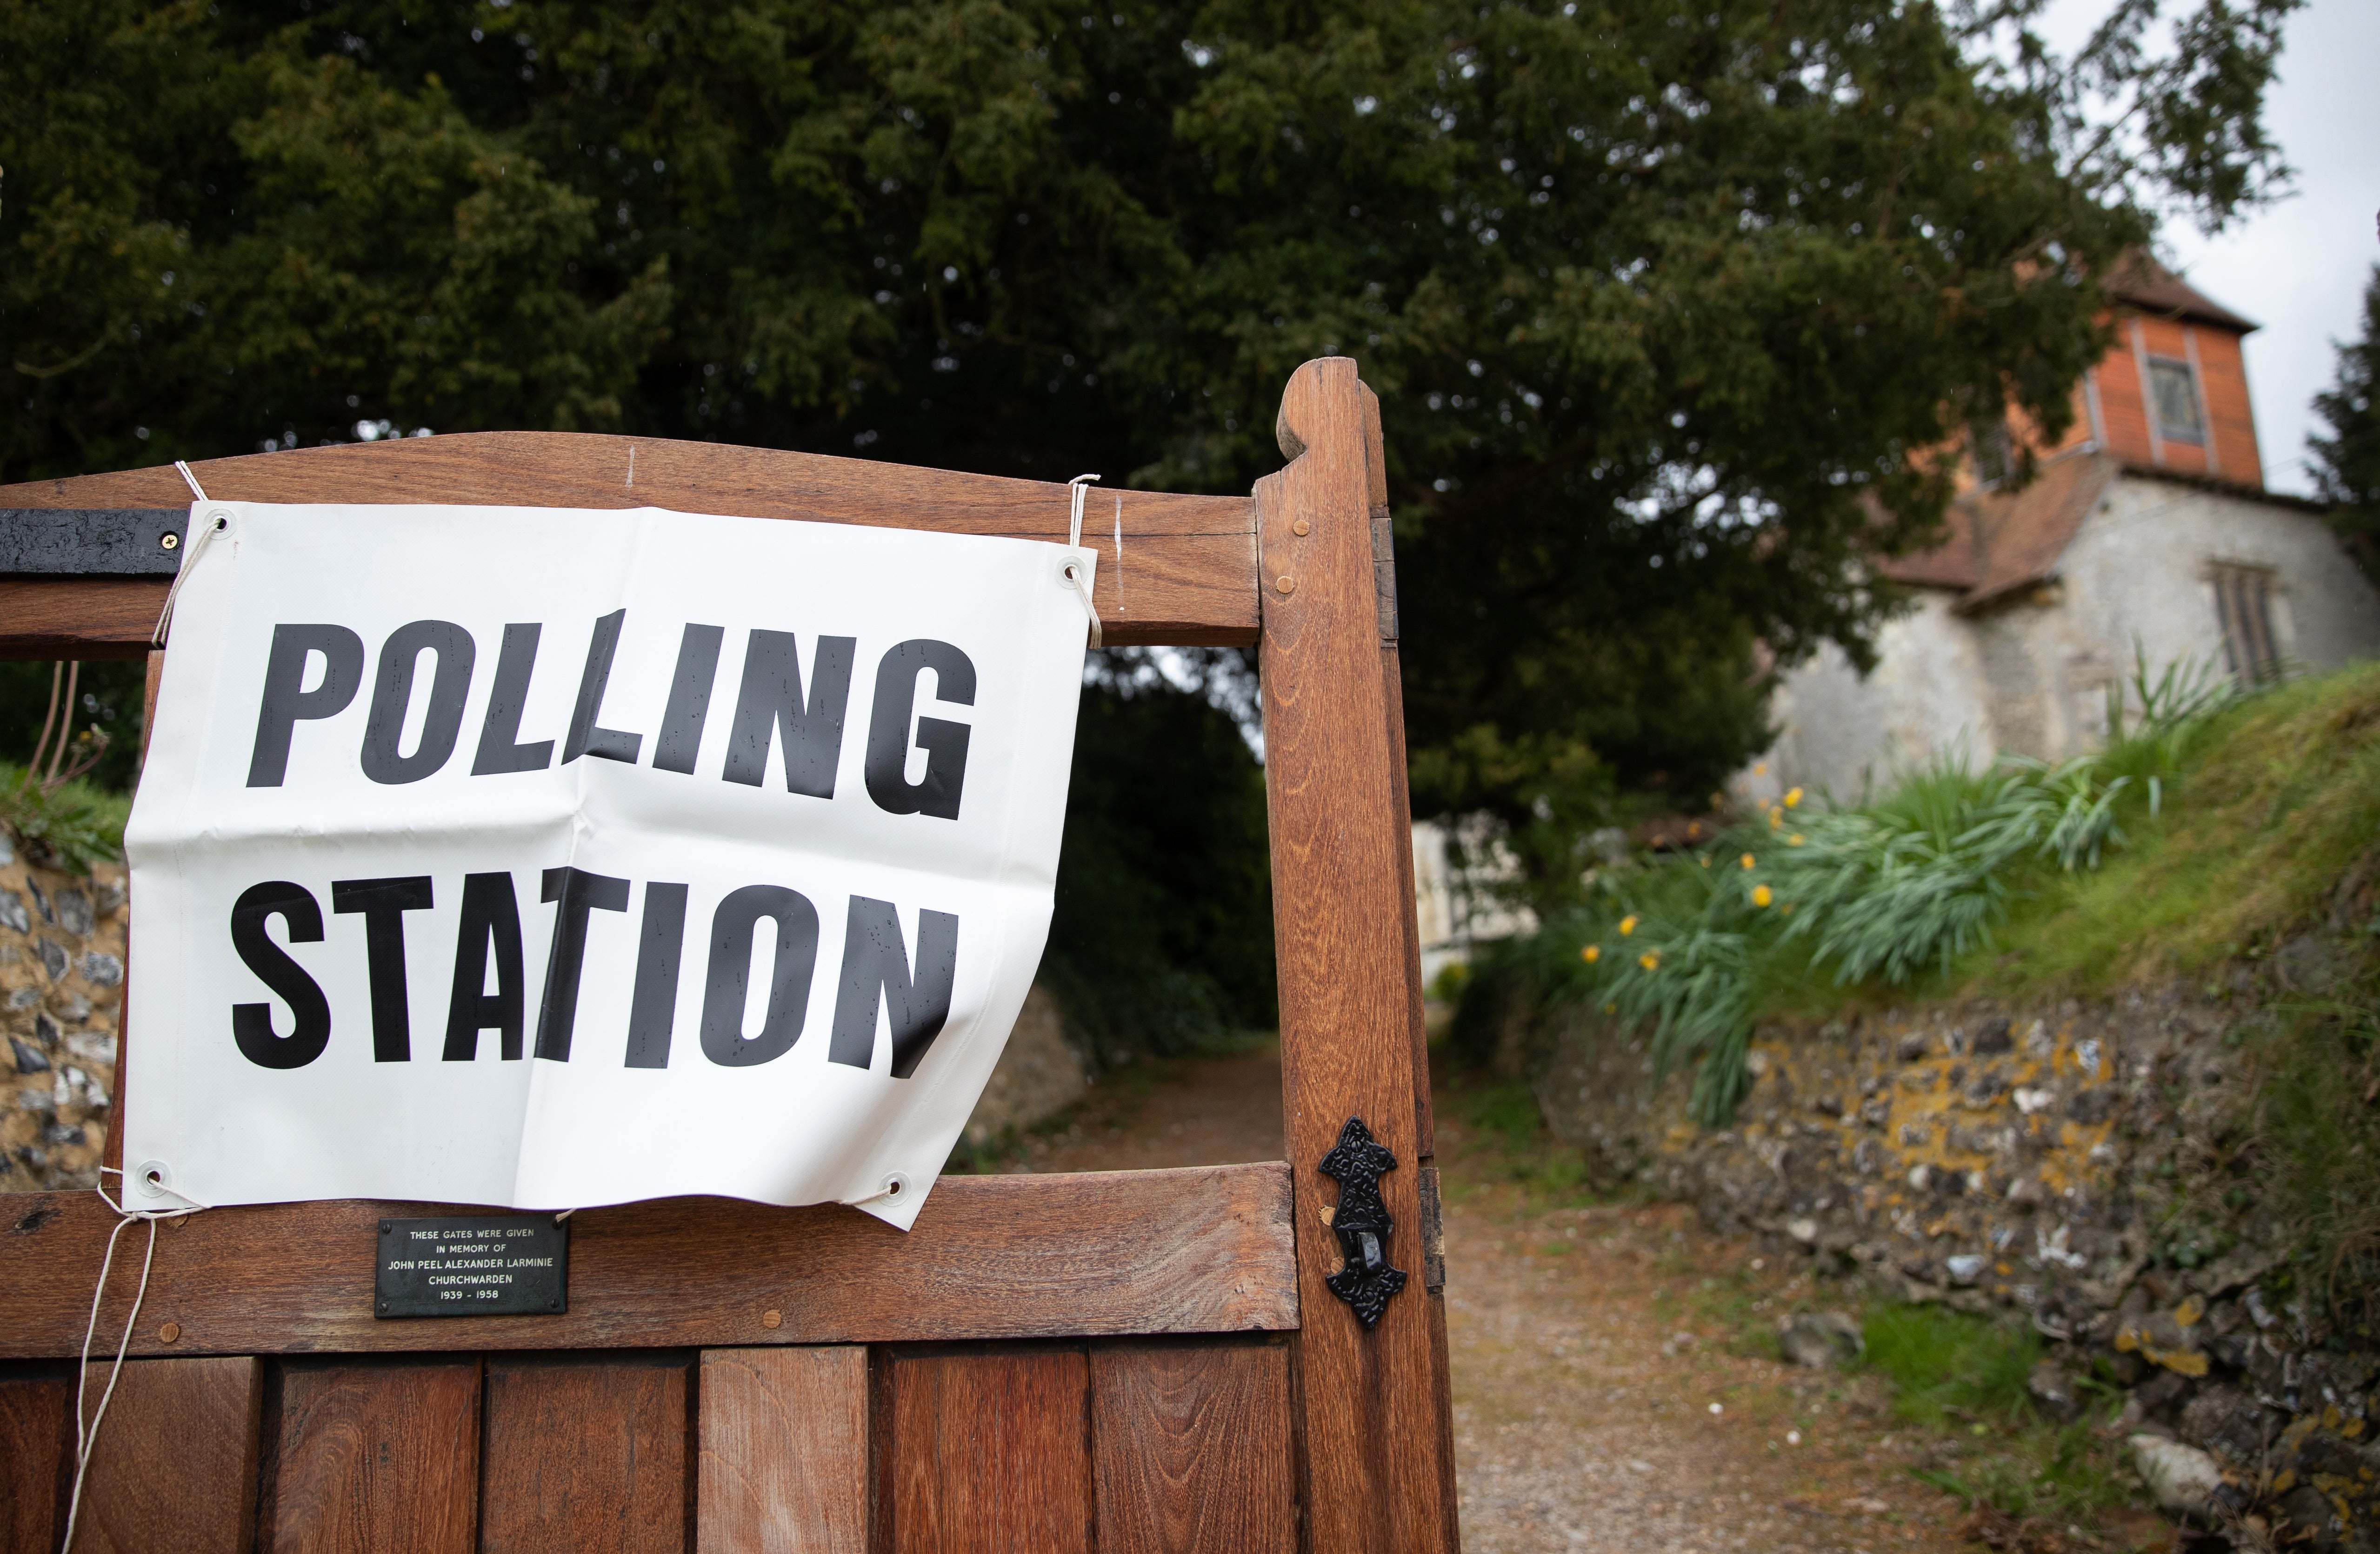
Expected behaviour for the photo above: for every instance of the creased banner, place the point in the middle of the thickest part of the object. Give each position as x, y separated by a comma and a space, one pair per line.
548, 858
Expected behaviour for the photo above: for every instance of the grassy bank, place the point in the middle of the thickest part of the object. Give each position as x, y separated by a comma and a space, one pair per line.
2208, 832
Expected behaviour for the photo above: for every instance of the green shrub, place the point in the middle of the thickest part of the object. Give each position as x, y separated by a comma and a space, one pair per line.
72, 827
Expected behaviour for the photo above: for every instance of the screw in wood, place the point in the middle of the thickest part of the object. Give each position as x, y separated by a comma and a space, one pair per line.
772, 1318
169, 541
170, 1332
1285, 583
1301, 529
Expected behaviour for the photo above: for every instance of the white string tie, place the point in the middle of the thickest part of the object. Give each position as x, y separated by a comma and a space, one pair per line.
1073, 571
87, 1436
201, 534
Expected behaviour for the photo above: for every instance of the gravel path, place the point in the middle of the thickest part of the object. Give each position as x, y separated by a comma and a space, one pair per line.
1615, 1389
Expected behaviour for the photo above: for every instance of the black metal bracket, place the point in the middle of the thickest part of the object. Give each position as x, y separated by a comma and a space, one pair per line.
92, 542
1361, 1222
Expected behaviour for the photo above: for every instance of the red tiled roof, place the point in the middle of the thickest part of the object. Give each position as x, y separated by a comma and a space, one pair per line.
2150, 286
1998, 541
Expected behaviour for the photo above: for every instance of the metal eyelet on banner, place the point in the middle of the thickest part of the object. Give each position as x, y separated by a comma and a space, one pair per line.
895, 1186
154, 1179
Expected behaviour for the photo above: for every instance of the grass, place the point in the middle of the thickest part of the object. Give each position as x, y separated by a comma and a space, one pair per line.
2277, 807
1965, 1377
1507, 1142
2206, 832
71, 826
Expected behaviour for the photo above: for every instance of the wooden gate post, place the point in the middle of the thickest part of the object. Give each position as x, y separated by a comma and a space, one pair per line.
1377, 1467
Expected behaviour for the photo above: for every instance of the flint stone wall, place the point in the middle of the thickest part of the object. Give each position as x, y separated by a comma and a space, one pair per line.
61, 995
2021, 1161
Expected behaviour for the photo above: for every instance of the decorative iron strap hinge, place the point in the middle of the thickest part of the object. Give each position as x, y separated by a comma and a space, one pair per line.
1361, 1222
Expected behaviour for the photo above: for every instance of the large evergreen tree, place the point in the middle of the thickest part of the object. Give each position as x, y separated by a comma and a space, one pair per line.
1667, 304
2346, 464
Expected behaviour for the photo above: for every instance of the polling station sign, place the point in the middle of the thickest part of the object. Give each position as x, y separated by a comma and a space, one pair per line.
545, 858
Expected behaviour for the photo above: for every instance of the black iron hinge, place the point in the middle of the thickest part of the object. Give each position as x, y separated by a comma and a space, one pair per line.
1361, 1222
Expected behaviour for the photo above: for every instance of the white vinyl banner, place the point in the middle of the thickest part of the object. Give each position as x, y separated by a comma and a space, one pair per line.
547, 858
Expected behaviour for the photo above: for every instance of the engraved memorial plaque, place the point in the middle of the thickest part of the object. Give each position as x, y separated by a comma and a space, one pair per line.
473, 1265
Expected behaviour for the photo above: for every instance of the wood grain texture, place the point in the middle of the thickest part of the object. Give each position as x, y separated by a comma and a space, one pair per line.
990, 1453
784, 1440
1370, 1405
590, 1458
1203, 1249
375, 1457
36, 1461
1191, 1448
1187, 572
174, 1471
1392, 691
87, 618
111, 1155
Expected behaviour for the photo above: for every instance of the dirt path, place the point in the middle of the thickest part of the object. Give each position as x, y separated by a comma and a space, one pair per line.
1615, 1385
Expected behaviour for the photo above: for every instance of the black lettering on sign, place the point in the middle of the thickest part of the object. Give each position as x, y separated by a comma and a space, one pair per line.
500, 746
876, 974
392, 695
252, 1024
490, 918
731, 929
385, 904
586, 738
689, 699
770, 701
286, 700
652, 1007
575, 892
945, 743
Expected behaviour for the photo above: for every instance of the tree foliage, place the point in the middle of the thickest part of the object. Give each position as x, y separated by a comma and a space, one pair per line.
1667, 306
2346, 464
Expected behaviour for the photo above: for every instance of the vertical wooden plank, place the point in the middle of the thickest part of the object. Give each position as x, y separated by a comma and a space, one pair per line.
783, 1452
377, 1457
1392, 691
1376, 1451
1191, 1450
174, 1471
990, 1454
36, 1461
111, 1155
585, 1457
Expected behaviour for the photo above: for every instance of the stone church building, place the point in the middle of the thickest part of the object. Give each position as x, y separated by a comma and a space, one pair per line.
2147, 528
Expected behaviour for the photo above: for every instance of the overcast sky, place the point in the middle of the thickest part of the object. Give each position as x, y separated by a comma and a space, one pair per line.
2299, 267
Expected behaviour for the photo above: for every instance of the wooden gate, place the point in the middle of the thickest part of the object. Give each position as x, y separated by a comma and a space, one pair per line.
1122, 1362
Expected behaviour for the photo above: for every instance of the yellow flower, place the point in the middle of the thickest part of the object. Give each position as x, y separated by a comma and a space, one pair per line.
1611, 1009
1650, 960
1760, 895
1786, 910
1591, 955
1793, 798
1705, 860
1776, 818
1747, 860
1794, 840
1628, 924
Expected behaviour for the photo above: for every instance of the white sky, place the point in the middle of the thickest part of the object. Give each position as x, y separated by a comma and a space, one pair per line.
2298, 267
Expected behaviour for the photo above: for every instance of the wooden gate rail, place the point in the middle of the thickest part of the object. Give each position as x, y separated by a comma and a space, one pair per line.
1202, 1249
1187, 574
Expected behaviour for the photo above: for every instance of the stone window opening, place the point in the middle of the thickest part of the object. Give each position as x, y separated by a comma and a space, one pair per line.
2243, 606
2173, 396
